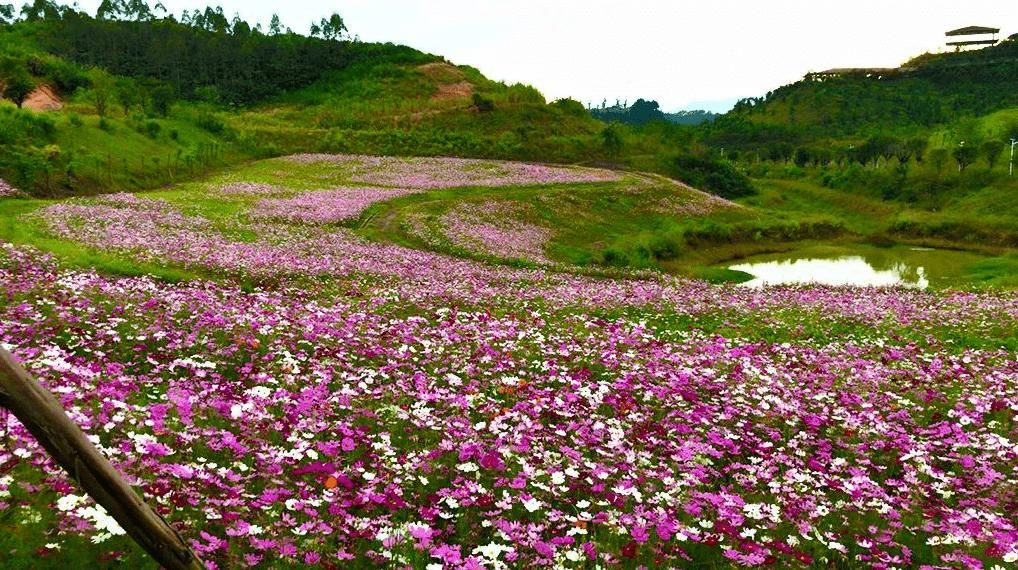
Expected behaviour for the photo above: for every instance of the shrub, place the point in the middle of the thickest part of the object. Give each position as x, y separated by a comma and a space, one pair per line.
211, 123
152, 129
570, 107
520, 93
712, 175
483, 104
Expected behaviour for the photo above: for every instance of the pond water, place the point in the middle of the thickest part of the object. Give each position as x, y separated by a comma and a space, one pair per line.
860, 266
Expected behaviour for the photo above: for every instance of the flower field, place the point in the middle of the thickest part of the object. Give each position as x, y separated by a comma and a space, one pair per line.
367, 404
432, 173
6, 189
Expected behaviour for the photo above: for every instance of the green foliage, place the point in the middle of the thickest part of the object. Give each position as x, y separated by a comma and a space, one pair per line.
162, 98
102, 90
152, 129
611, 141
202, 49
640, 113
18, 85
570, 107
965, 156
991, 151
211, 123
483, 104
713, 175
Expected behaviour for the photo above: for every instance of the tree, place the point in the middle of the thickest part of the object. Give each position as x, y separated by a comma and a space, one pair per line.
162, 98
6, 13
103, 90
110, 10
240, 28
275, 26
40, 10
18, 86
333, 27
965, 156
917, 146
802, 157
991, 150
127, 96
643, 112
611, 141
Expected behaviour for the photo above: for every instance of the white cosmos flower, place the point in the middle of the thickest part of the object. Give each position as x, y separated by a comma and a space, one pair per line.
103, 522
69, 502
492, 550
532, 504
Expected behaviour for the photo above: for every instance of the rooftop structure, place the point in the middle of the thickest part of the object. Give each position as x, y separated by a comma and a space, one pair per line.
977, 35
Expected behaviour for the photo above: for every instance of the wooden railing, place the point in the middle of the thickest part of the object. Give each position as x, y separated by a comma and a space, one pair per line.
44, 417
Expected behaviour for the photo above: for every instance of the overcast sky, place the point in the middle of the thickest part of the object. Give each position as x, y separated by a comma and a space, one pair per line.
682, 53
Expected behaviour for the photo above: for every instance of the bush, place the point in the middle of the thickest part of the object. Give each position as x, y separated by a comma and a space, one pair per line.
614, 257
211, 123
520, 93
570, 107
152, 129
711, 175
483, 104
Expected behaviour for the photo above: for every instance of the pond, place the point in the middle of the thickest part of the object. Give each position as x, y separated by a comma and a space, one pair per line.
860, 266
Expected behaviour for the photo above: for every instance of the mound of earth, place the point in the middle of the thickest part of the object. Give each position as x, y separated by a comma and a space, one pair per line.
451, 84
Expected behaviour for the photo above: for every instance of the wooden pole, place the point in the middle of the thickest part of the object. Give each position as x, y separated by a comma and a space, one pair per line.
43, 416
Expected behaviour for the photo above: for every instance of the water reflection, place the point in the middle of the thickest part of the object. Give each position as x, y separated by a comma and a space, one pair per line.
851, 270
862, 265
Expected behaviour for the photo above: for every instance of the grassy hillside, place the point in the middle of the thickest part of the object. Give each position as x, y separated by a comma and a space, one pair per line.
132, 124
431, 108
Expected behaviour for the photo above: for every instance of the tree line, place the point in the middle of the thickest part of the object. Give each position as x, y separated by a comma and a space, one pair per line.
203, 48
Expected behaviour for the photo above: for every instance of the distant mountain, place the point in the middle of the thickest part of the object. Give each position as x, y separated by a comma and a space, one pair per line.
697, 117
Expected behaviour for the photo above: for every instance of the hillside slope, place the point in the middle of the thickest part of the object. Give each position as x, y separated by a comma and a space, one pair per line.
930, 90
146, 103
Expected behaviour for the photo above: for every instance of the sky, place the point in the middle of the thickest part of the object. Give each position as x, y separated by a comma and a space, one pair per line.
685, 54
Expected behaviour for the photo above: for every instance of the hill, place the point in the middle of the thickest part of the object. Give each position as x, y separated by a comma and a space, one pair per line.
149, 100
931, 90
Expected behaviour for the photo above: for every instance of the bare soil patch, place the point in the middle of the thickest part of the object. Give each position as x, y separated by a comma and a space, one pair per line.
44, 99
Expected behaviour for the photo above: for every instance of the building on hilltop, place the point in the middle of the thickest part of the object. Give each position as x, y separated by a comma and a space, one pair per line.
973, 36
